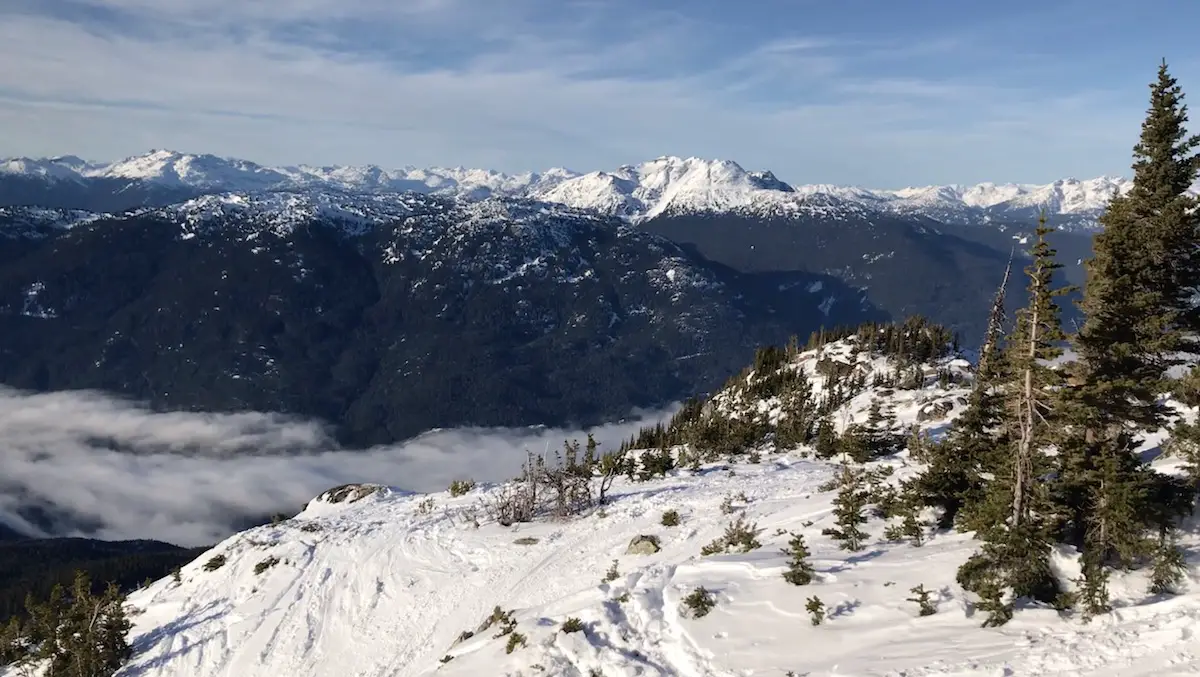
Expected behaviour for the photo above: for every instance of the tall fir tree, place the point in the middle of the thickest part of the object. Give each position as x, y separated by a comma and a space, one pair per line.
1166, 164
951, 481
1017, 518
1141, 281
1144, 270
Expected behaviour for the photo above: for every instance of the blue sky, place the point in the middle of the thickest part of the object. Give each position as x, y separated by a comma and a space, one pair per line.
883, 93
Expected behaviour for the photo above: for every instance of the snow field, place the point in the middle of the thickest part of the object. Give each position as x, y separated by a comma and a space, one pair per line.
386, 587
384, 583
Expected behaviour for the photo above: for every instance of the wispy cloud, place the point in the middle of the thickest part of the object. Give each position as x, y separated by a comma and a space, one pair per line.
529, 84
82, 463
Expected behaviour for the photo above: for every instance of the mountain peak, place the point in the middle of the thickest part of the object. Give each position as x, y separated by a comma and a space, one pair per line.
667, 184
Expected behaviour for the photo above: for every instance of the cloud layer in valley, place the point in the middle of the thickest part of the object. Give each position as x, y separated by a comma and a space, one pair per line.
865, 92
107, 468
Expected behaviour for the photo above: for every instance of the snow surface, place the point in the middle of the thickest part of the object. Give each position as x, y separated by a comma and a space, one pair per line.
384, 582
664, 185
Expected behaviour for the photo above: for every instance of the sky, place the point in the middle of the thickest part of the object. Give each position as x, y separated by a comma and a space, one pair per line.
877, 93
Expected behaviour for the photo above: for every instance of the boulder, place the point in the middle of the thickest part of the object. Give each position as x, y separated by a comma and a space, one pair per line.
643, 545
931, 412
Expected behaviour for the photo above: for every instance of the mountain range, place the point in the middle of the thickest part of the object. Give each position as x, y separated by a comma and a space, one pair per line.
666, 185
390, 302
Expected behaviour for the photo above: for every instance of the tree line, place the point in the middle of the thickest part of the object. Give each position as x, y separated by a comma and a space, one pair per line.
1050, 454
74, 632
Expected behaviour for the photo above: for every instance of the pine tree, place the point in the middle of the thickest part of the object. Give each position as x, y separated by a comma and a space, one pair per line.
1140, 281
800, 571
826, 444
877, 437
951, 481
798, 409
1165, 167
80, 634
1017, 518
850, 510
1037, 339
991, 349
11, 649
590, 455
1144, 270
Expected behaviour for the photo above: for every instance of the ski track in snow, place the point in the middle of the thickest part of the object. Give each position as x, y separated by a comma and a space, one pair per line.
384, 590
385, 585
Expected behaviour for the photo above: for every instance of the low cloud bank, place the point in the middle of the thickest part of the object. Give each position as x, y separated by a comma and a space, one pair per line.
84, 463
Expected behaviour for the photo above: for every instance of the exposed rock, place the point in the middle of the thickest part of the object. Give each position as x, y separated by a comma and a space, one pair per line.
351, 492
935, 411
643, 545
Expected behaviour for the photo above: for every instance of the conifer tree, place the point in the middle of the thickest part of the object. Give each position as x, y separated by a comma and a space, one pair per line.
878, 436
1140, 282
11, 640
951, 481
800, 571
826, 443
78, 634
990, 352
1017, 519
850, 510
590, 455
798, 407
1037, 339
1143, 272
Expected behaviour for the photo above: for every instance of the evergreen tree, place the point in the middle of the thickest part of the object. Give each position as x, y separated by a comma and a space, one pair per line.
1143, 272
879, 438
80, 634
590, 455
798, 408
1140, 282
850, 510
826, 443
11, 642
990, 352
1017, 518
800, 570
1037, 339
952, 481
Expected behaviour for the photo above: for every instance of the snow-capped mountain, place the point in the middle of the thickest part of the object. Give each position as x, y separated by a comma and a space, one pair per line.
373, 580
209, 172
636, 192
669, 184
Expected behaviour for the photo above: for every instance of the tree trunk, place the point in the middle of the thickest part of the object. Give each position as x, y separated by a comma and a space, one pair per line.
1026, 416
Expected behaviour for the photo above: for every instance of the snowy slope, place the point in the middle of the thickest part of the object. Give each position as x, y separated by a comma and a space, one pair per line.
375, 581
209, 172
1066, 196
665, 185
